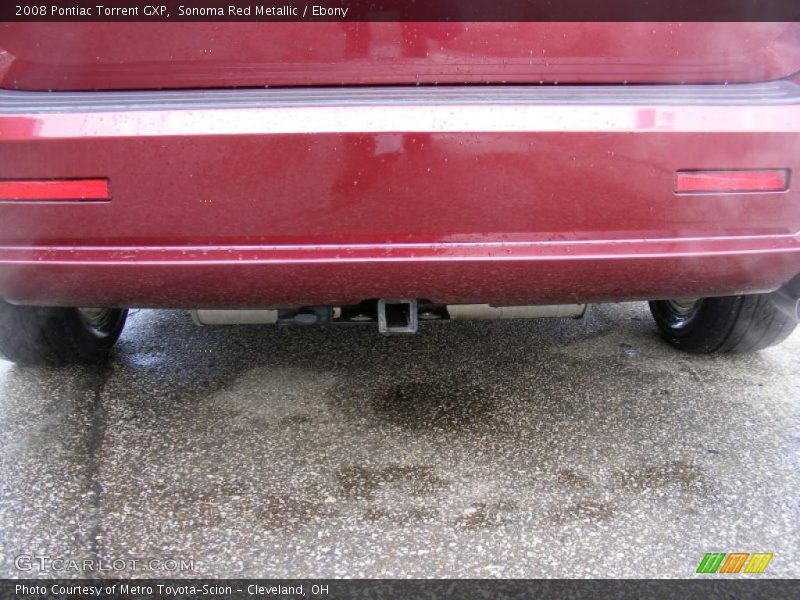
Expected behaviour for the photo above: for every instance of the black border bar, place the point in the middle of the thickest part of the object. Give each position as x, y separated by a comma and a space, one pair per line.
402, 10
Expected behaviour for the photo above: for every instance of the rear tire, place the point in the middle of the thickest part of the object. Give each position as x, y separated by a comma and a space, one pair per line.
736, 324
33, 335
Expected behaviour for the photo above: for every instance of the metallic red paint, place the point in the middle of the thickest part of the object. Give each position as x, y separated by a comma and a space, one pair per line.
306, 203
85, 56
451, 273
580, 209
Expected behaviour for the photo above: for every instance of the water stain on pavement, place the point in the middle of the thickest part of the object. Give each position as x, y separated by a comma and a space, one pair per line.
288, 512
357, 482
485, 515
443, 405
572, 478
515, 449
678, 472
583, 510
401, 517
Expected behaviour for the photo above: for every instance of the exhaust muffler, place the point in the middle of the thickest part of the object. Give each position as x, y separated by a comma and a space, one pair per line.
460, 312
234, 317
392, 315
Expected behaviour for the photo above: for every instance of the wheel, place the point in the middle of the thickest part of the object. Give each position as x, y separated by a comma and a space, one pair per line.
727, 324
33, 335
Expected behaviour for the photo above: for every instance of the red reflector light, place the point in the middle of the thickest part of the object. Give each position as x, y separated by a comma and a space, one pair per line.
54, 189
710, 182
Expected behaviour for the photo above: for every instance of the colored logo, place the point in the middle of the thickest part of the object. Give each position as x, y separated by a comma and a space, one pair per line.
721, 563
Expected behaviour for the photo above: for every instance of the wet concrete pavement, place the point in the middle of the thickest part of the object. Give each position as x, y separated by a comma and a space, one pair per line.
520, 449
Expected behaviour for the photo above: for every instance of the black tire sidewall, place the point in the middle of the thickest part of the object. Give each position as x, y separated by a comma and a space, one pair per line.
34, 335
94, 346
706, 330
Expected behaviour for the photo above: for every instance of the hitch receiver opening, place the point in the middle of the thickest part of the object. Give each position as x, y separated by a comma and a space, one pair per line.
397, 315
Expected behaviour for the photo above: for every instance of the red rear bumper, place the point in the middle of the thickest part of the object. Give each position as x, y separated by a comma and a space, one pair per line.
501, 195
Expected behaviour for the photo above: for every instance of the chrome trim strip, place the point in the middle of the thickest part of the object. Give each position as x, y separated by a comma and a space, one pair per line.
770, 93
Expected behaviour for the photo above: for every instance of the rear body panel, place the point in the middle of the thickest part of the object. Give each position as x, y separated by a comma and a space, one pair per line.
509, 196
126, 56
